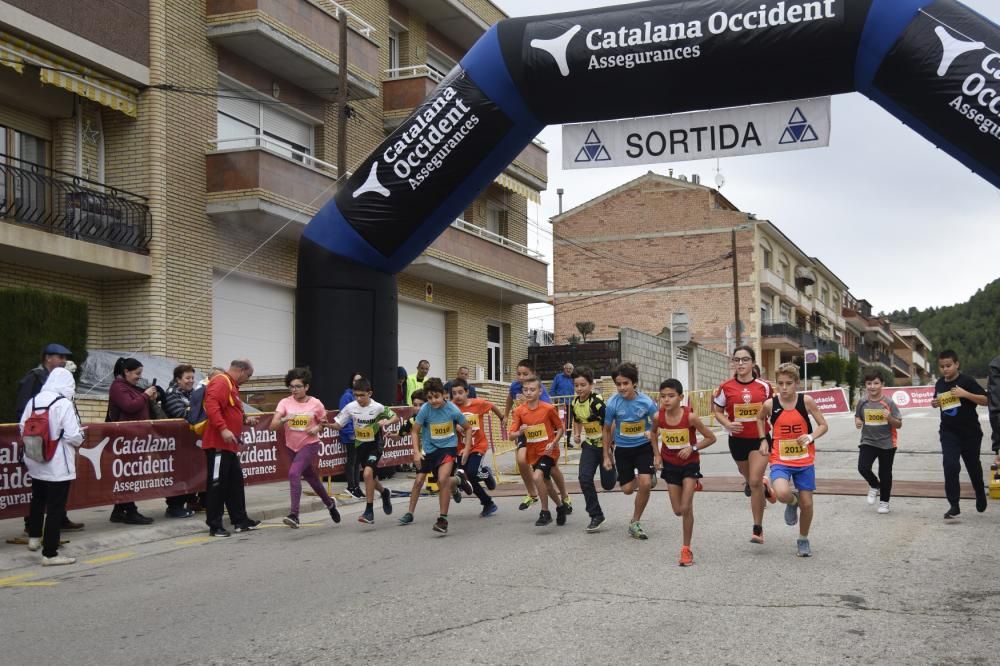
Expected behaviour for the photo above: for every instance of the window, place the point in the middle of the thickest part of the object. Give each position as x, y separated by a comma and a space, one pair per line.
765, 313
496, 220
824, 295
765, 255
393, 51
786, 313
24, 197
244, 122
494, 353
786, 271
438, 61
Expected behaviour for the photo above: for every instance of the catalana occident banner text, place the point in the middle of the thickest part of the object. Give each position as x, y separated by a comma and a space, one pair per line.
139, 460
748, 130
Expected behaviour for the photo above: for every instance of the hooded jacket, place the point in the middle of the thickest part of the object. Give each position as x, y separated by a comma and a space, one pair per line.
64, 423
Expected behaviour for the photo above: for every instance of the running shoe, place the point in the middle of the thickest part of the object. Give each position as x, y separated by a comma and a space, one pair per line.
952, 513
746, 489
406, 519
883, 507
595, 524
527, 502
687, 557
441, 525
292, 521
758, 534
544, 518
769, 491
488, 478
568, 505
803, 546
463, 482
792, 511
218, 532
334, 512
368, 517
357, 492
652, 480
981, 501
456, 491
248, 525
561, 515
386, 501
872, 496
636, 532
489, 510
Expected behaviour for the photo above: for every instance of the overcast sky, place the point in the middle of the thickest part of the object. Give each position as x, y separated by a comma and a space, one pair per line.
899, 221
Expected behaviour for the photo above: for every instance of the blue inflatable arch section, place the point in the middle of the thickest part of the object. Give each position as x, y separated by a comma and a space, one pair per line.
934, 64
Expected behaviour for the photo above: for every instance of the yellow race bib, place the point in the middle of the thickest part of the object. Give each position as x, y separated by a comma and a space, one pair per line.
442, 430
536, 434
592, 429
875, 417
299, 421
675, 439
790, 449
947, 400
632, 428
743, 412
473, 420
364, 433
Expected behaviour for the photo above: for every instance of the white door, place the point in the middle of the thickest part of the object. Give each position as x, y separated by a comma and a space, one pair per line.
253, 319
422, 336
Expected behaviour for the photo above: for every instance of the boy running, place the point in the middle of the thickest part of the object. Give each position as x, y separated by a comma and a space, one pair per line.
792, 450
369, 417
675, 428
587, 416
878, 419
957, 396
474, 409
540, 426
435, 449
628, 418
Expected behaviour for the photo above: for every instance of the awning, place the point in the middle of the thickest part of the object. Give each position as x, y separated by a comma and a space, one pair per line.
517, 187
68, 75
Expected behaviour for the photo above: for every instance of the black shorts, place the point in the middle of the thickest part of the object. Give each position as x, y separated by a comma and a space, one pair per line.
632, 459
740, 447
431, 461
369, 453
545, 464
522, 442
675, 474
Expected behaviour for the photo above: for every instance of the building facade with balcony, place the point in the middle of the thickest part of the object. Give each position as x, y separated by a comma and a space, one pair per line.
912, 351
166, 164
660, 244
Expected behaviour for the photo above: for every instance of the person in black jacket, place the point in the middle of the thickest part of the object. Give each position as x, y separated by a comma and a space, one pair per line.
177, 403
993, 395
54, 355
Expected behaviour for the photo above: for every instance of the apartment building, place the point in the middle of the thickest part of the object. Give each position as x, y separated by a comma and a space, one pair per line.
159, 159
660, 244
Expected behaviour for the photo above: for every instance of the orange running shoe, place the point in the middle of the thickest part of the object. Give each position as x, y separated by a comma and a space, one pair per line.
687, 557
769, 491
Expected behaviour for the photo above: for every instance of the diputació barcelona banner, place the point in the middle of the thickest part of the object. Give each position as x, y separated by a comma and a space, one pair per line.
141, 460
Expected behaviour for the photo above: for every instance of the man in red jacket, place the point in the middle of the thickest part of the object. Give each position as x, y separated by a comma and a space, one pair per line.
221, 442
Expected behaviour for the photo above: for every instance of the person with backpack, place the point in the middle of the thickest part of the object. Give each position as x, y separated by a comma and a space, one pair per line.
54, 355
177, 404
51, 432
127, 402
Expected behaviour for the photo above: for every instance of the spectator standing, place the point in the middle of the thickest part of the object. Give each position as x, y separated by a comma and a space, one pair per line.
416, 382
54, 355
993, 391
463, 374
221, 443
562, 384
352, 471
50, 480
127, 402
177, 404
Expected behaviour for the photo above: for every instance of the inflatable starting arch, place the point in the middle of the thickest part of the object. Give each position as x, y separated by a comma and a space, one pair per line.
934, 64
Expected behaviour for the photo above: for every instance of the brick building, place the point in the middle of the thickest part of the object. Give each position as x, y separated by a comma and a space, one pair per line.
148, 148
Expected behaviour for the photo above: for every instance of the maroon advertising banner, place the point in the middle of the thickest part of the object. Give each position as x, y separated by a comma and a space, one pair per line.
831, 400
909, 397
140, 460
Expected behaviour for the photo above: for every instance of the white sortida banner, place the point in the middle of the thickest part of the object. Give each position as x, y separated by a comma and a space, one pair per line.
749, 130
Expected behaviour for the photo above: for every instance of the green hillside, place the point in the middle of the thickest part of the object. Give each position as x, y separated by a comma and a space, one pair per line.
972, 329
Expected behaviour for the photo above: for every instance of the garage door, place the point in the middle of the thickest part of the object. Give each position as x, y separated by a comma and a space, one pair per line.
253, 319
421, 335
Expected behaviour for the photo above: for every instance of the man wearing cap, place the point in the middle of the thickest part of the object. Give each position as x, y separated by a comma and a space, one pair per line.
54, 356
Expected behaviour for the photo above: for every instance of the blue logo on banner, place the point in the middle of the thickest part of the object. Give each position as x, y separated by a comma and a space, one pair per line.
593, 150
799, 130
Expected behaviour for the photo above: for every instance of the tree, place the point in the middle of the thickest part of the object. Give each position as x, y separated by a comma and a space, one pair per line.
573, 339
585, 328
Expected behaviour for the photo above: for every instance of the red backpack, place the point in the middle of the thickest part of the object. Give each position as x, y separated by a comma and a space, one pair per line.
36, 436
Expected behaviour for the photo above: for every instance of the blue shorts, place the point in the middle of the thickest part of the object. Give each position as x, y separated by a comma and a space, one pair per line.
804, 478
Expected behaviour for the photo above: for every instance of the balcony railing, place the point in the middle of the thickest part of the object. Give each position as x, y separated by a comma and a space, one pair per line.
782, 329
416, 70
64, 204
498, 239
900, 363
872, 356
278, 148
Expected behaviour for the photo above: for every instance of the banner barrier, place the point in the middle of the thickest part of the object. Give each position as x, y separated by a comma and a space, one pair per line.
140, 460
831, 400
910, 397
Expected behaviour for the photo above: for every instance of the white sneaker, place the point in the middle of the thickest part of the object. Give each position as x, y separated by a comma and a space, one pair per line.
58, 560
872, 494
883, 507
34, 544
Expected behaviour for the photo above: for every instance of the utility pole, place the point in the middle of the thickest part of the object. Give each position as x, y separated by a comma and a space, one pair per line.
737, 329
342, 100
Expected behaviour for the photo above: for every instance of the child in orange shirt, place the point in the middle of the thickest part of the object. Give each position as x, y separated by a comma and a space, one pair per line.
539, 423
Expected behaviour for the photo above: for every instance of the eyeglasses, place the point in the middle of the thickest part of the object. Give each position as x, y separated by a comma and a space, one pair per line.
742, 359
296, 386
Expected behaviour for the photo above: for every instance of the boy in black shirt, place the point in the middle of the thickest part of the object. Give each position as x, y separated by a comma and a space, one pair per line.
957, 396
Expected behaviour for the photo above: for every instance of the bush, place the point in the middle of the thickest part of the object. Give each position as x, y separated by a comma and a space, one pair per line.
33, 319
831, 368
